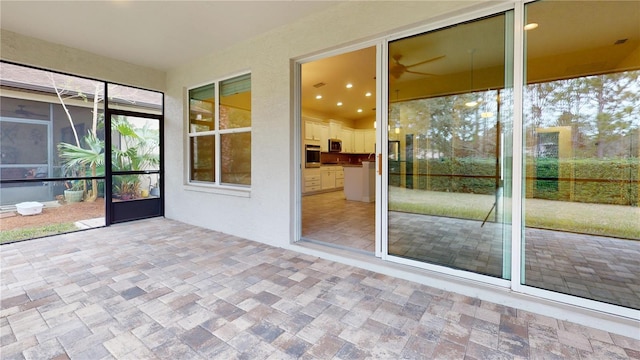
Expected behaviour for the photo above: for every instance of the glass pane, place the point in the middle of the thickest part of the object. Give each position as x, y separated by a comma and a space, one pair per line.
133, 99
49, 208
23, 108
135, 143
581, 131
51, 125
203, 155
447, 127
235, 151
201, 109
235, 102
24, 143
133, 187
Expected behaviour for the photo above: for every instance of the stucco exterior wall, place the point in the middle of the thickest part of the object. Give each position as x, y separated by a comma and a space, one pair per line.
268, 213
30, 51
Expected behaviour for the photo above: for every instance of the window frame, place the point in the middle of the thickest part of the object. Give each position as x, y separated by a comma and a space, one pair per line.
217, 185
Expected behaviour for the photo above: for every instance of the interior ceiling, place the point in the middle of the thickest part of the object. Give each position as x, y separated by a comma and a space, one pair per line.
156, 34
559, 43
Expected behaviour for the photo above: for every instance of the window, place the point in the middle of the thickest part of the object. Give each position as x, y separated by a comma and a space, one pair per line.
220, 132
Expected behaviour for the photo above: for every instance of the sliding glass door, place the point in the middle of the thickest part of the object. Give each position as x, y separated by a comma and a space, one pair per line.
450, 147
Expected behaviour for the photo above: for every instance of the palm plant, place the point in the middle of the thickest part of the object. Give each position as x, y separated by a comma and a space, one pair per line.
78, 161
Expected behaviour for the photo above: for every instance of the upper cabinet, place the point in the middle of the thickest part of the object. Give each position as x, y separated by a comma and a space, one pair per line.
364, 140
335, 129
346, 135
353, 140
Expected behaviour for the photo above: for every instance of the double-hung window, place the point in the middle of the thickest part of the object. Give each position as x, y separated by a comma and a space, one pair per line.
220, 132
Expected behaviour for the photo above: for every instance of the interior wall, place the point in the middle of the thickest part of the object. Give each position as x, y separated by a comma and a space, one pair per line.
30, 51
267, 214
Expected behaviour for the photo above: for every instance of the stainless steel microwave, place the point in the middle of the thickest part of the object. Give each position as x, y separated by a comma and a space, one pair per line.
335, 145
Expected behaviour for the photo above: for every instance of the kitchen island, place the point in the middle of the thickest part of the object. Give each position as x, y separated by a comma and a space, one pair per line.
360, 182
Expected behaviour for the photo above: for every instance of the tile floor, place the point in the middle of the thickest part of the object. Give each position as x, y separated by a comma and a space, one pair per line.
594, 267
161, 289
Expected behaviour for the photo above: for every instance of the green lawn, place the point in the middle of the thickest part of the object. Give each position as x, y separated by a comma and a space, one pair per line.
597, 219
34, 232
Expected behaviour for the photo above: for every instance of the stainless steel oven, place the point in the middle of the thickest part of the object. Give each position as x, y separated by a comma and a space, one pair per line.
312, 156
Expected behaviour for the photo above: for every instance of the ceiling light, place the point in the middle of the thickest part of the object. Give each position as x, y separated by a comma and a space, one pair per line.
318, 97
367, 94
359, 110
471, 103
486, 114
397, 130
339, 103
349, 85
531, 26
375, 125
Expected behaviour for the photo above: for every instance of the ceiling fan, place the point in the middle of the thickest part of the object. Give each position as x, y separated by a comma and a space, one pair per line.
26, 113
397, 69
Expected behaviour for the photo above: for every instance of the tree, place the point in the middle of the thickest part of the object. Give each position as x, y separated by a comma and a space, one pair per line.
76, 158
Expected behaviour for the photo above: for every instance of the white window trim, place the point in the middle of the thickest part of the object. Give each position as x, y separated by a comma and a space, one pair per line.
216, 186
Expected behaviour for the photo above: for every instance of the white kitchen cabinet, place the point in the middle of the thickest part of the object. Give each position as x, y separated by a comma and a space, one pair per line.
358, 143
335, 129
311, 180
339, 177
323, 131
315, 129
328, 175
346, 135
370, 141
364, 141
308, 130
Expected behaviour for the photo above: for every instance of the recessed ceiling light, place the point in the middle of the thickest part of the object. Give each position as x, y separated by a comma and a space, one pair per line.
339, 103
471, 103
531, 26
359, 110
318, 97
367, 94
349, 85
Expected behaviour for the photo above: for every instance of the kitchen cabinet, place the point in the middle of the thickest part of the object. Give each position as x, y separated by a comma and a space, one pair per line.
316, 130
323, 131
331, 177
364, 141
346, 135
340, 177
335, 129
311, 181
370, 141
328, 176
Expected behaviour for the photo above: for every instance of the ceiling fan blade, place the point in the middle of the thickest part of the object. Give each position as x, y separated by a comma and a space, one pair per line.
421, 73
426, 61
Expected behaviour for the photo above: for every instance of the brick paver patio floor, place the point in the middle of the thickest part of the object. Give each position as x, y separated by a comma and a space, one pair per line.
163, 289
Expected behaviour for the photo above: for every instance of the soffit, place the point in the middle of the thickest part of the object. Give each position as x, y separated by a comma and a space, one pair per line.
155, 34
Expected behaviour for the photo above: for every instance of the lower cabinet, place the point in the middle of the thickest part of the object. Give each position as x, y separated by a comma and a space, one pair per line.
311, 181
326, 178
340, 177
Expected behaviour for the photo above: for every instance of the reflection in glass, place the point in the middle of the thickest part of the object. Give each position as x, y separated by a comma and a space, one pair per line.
447, 190
235, 102
235, 151
581, 131
202, 158
201, 108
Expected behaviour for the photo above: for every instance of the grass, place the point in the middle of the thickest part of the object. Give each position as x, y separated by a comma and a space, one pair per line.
34, 232
596, 219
